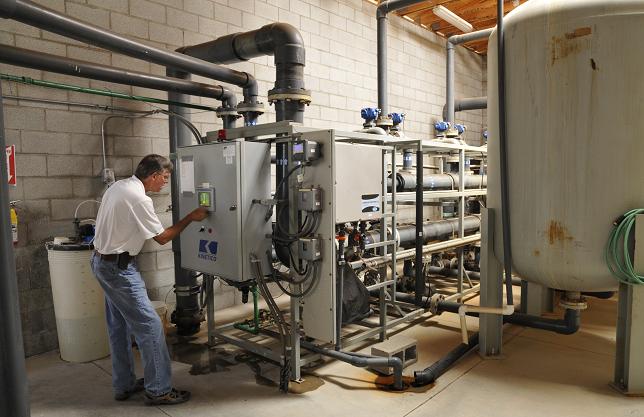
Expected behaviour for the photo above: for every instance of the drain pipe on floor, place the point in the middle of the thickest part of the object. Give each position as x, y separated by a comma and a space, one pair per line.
361, 361
567, 326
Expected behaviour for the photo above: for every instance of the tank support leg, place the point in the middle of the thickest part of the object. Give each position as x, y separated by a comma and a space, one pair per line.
490, 325
536, 299
629, 362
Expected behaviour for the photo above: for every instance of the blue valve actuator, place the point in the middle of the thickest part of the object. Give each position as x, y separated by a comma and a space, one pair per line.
485, 134
460, 128
397, 118
441, 126
369, 113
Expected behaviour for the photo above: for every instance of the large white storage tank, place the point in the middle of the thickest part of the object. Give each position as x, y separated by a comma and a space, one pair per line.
575, 135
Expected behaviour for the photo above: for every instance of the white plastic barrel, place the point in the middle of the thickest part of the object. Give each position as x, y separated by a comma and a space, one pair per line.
79, 303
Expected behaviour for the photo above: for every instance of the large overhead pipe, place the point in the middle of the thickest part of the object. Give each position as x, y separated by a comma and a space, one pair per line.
285, 43
13, 378
452, 41
381, 15
41, 17
52, 63
281, 40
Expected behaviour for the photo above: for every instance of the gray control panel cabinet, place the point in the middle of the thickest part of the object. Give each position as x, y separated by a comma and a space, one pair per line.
359, 190
233, 174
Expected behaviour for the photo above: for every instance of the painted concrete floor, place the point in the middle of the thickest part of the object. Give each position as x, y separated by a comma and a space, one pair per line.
540, 374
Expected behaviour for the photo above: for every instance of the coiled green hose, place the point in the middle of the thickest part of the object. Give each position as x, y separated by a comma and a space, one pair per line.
617, 254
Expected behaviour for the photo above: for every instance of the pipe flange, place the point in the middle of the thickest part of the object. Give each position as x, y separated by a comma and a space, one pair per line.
250, 107
289, 94
187, 290
384, 121
302, 98
573, 304
226, 111
434, 300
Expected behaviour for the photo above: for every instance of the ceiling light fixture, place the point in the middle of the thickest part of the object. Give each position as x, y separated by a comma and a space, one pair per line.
408, 18
452, 18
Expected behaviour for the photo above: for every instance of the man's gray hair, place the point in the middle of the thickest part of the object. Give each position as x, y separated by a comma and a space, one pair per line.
151, 164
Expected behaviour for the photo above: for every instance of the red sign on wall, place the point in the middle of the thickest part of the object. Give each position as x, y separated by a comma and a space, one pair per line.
11, 164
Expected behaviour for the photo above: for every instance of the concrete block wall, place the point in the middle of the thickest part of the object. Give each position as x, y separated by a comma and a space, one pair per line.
59, 144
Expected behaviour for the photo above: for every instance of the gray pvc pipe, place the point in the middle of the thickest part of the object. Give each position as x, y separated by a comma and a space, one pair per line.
448, 112
286, 44
381, 14
47, 62
13, 378
361, 361
186, 315
406, 181
469, 103
431, 230
383, 86
41, 17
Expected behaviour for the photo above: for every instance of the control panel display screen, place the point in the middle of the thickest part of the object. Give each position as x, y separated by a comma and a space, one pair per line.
204, 199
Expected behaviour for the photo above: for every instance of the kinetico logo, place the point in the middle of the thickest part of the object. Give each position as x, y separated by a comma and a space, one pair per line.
208, 250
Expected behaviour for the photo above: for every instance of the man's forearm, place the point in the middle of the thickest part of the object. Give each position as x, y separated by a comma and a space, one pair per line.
173, 231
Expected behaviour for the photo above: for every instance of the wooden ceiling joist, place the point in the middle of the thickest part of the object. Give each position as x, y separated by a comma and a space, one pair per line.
481, 14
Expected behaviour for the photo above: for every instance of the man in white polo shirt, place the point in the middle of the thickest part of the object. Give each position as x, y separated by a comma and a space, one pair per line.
125, 220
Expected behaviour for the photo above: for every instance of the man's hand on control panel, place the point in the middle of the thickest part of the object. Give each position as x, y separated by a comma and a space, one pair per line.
198, 214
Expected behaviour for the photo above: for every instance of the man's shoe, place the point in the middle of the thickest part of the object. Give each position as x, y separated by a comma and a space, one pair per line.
173, 397
139, 386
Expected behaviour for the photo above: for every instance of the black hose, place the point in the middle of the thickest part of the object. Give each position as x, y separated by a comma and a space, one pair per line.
438, 368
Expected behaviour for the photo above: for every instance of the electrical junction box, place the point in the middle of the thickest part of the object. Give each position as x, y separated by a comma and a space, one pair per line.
358, 188
225, 177
306, 150
309, 249
309, 199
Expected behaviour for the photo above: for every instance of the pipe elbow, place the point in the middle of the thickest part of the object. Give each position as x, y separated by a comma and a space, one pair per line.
284, 33
382, 10
228, 98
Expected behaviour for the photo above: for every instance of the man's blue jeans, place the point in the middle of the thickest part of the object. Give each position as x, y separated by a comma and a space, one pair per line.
129, 311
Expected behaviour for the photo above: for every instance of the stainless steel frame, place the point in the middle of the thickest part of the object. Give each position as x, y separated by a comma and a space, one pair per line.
392, 313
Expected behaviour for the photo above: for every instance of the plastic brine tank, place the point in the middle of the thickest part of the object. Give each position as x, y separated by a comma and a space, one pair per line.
575, 126
79, 303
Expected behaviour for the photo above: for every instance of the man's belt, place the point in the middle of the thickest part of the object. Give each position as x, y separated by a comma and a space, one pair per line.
122, 259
